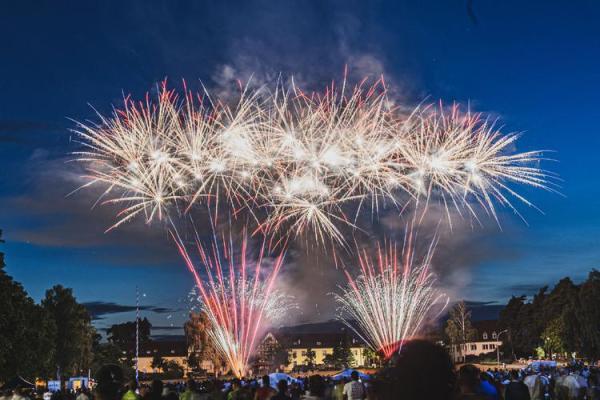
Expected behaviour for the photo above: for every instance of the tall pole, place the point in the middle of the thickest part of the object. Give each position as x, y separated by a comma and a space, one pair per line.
137, 333
498, 346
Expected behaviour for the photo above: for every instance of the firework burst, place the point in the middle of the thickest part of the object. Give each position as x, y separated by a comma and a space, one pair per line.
300, 163
238, 296
391, 298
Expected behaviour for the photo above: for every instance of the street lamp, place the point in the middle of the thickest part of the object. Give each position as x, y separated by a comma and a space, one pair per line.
498, 346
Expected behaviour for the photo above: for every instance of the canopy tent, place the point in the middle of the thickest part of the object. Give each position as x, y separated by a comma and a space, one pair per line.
275, 377
17, 381
536, 365
347, 372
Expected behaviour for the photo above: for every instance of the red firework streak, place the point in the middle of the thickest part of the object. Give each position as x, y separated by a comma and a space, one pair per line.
235, 300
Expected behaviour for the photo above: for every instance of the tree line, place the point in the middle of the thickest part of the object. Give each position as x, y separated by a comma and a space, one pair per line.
55, 338
564, 321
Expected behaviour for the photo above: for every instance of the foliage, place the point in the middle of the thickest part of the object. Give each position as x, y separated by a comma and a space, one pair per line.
196, 333
329, 361
342, 354
26, 332
458, 327
370, 357
172, 370
157, 362
74, 331
310, 357
553, 337
123, 335
564, 320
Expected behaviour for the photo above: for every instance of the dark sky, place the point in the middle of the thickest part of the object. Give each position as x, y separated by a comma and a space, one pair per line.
534, 64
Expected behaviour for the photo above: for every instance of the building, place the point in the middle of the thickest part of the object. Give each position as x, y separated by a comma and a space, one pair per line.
168, 350
322, 345
486, 341
297, 341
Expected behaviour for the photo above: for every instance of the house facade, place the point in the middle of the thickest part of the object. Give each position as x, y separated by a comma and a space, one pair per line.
486, 341
298, 346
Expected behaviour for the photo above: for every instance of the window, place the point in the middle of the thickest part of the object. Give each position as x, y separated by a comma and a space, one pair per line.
485, 347
303, 354
485, 336
294, 354
473, 347
494, 335
318, 343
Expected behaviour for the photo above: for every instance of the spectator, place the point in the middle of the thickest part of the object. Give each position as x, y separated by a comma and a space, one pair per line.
282, 387
109, 380
156, 390
316, 386
469, 384
266, 391
190, 392
423, 370
131, 394
235, 393
354, 390
516, 389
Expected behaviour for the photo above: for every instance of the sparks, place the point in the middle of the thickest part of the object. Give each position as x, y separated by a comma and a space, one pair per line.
238, 296
303, 163
390, 299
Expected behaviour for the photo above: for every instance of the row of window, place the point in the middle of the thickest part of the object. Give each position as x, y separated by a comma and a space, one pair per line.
485, 346
494, 335
325, 352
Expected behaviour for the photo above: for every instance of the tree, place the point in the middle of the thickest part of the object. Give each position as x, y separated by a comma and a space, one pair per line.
172, 370
458, 327
342, 354
157, 361
370, 356
553, 337
310, 357
26, 332
196, 333
588, 315
329, 361
74, 331
124, 335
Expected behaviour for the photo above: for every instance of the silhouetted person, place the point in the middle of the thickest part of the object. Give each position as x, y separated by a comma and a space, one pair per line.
155, 392
316, 388
469, 383
282, 387
516, 389
422, 370
109, 379
266, 391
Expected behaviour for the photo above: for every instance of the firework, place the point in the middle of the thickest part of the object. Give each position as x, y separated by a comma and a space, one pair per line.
298, 162
388, 302
237, 295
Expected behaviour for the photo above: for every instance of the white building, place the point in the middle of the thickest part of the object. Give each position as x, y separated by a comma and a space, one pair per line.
486, 341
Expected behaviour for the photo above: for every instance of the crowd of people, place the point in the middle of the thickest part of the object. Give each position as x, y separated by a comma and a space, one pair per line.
422, 371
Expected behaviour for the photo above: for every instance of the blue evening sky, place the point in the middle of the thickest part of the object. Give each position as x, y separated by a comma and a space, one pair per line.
533, 64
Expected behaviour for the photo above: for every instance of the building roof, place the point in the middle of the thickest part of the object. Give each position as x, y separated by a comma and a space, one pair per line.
316, 335
163, 348
486, 327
